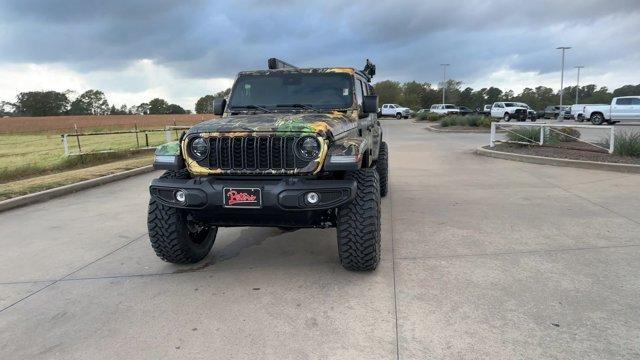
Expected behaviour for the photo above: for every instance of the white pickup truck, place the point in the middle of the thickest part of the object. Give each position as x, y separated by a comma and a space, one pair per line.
622, 108
444, 109
507, 110
394, 110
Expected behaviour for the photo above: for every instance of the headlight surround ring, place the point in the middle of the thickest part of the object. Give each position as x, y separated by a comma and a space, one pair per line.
308, 148
199, 148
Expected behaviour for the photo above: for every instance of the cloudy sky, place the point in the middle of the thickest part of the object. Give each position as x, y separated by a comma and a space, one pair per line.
180, 50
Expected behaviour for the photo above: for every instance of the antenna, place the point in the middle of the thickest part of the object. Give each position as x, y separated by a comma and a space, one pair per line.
275, 64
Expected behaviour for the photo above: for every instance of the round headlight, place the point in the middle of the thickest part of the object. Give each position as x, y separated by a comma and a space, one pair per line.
199, 149
308, 148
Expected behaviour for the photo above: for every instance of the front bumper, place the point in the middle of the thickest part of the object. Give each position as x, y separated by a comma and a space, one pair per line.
282, 199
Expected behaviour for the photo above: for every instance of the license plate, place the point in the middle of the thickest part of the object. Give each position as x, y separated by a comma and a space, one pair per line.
242, 197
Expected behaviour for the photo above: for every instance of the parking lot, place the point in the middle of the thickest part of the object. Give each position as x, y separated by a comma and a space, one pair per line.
482, 258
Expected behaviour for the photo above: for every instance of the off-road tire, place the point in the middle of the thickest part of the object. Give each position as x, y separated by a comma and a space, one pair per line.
506, 117
358, 224
382, 166
398, 116
169, 231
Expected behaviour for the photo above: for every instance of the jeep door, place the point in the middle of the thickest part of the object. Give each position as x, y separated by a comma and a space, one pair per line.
368, 122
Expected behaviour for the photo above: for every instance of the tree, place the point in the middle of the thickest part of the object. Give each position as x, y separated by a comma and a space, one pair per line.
493, 94
204, 105
158, 106
413, 94
42, 103
175, 109
142, 109
389, 92
7, 108
91, 102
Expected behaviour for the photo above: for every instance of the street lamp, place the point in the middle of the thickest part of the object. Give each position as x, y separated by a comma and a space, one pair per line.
444, 80
561, 112
578, 82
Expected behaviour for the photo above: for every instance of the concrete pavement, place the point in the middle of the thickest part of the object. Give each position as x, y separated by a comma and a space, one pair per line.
482, 258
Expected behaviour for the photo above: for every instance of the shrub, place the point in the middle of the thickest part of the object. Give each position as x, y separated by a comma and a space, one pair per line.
469, 120
428, 116
566, 134
627, 143
524, 134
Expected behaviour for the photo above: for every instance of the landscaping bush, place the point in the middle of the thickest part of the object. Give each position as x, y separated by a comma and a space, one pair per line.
524, 134
428, 116
627, 143
561, 135
469, 121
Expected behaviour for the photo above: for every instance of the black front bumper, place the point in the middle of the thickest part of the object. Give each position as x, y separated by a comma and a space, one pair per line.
282, 200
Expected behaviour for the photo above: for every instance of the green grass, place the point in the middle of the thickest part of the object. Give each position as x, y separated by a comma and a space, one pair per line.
23, 156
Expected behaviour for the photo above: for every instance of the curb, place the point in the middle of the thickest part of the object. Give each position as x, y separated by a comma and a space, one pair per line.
69, 189
469, 131
542, 160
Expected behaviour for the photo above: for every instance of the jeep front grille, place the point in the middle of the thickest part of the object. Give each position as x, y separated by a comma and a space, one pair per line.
254, 154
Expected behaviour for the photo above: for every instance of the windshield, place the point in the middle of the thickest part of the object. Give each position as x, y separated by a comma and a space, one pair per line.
524, 105
321, 90
449, 107
510, 104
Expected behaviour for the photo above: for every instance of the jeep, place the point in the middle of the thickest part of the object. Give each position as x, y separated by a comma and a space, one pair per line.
291, 148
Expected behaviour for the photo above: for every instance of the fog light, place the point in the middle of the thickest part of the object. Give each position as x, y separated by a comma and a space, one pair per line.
312, 198
181, 196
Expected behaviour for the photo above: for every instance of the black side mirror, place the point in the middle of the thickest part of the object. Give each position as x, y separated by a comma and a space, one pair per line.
219, 105
370, 104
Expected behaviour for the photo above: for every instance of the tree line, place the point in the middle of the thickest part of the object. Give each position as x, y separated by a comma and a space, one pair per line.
412, 94
417, 95
90, 102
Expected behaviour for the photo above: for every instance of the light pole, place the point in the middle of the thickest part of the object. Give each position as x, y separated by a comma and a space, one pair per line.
560, 111
578, 82
444, 80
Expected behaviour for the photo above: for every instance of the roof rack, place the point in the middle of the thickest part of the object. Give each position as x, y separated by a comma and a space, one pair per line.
275, 64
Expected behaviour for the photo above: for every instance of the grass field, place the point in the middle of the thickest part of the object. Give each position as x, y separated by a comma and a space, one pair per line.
22, 156
65, 124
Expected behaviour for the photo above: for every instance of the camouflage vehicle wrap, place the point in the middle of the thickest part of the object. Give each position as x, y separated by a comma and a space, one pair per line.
281, 164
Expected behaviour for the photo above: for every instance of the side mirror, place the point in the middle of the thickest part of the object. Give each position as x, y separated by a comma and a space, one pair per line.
218, 106
370, 104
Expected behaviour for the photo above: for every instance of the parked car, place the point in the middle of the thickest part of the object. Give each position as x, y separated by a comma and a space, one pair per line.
552, 112
394, 110
531, 113
621, 108
444, 109
463, 110
487, 110
507, 110
577, 111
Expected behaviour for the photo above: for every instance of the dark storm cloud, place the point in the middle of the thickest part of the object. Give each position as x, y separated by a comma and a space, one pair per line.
407, 39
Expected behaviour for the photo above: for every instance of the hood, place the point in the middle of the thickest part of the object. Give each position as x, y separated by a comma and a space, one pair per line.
323, 124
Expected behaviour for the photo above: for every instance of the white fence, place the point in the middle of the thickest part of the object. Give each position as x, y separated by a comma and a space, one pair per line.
547, 129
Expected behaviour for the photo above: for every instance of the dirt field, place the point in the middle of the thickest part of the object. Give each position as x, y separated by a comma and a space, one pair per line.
64, 124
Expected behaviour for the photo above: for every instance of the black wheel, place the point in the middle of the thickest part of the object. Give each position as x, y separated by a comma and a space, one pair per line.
398, 116
175, 236
382, 166
359, 224
580, 118
506, 117
597, 119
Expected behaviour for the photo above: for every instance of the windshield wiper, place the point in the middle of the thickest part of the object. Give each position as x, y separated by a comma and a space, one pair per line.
258, 107
302, 106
